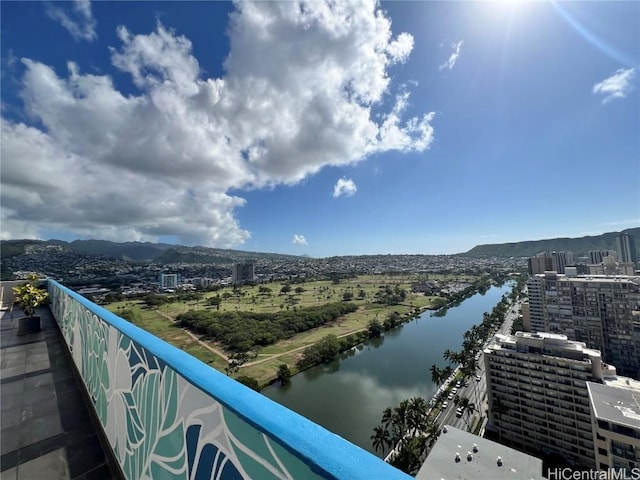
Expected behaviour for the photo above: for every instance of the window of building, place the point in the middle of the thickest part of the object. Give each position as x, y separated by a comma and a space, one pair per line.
603, 424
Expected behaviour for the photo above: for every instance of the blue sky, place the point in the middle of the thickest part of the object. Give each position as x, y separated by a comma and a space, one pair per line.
400, 127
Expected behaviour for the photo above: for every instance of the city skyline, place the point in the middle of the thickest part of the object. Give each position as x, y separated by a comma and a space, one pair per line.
392, 128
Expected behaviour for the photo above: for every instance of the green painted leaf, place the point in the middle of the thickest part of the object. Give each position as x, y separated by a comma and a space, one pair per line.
135, 429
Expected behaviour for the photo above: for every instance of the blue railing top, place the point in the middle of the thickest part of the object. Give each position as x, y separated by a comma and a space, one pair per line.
326, 453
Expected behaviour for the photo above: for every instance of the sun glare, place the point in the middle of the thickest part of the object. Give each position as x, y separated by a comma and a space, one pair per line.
506, 3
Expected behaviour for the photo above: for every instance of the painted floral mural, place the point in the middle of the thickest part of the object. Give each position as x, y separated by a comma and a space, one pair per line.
158, 424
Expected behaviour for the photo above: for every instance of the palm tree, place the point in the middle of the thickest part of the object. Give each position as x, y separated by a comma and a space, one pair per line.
410, 454
436, 375
387, 417
469, 367
466, 405
432, 432
470, 410
450, 355
446, 373
417, 416
399, 422
380, 438
469, 363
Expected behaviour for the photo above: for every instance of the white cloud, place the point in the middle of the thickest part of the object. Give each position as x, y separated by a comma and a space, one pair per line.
82, 26
299, 87
344, 187
11, 60
401, 47
299, 240
630, 223
453, 58
617, 85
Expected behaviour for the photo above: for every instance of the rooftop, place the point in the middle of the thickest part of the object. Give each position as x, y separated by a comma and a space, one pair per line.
46, 426
550, 343
617, 401
590, 278
476, 458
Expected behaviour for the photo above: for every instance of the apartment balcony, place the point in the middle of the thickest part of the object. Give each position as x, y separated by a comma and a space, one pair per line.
92, 396
47, 428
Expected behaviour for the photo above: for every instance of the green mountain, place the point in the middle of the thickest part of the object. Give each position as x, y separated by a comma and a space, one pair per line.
578, 246
12, 248
179, 254
138, 251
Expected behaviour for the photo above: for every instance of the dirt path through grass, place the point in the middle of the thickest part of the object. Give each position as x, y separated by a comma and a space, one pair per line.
269, 356
218, 352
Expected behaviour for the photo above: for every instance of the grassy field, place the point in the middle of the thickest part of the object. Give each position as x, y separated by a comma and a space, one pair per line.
160, 321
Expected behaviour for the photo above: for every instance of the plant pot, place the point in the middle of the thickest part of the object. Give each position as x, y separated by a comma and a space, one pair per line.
27, 325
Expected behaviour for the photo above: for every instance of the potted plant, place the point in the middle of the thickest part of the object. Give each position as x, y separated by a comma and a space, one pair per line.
29, 297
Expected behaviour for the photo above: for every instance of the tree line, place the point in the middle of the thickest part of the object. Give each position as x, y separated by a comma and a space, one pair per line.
411, 428
241, 331
329, 346
481, 286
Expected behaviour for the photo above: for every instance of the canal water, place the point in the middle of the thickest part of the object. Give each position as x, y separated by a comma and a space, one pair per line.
347, 396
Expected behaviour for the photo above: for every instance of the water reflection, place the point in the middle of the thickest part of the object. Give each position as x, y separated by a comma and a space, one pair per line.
333, 366
348, 395
376, 342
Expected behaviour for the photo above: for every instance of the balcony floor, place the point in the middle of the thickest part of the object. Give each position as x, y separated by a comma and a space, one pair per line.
47, 431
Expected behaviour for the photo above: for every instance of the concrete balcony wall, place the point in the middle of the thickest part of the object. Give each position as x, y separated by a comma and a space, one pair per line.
6, 292
168, 415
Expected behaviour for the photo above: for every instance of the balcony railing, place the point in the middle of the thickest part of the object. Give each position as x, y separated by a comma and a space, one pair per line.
165, 414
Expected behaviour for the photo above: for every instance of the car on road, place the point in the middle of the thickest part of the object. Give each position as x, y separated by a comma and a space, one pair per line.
450, 396
459, 412
445, 404
458, 384
477, 378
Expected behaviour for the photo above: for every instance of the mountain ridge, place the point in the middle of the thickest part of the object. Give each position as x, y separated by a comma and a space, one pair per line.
167, 254
578, 246
143, 251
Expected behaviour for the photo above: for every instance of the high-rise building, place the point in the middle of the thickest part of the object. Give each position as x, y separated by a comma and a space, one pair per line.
203, 282
598, 256
242, 273
538, 397
539, 264
609, 266
168, 280
536, 292
615, 417
549, 262
601, 311
626, 249
559, 260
